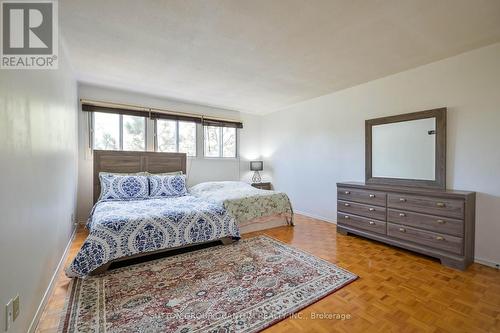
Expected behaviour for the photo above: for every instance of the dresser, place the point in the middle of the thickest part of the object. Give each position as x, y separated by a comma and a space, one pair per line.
437, 223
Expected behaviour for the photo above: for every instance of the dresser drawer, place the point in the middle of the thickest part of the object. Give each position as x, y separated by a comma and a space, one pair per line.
359, 222
429, 205
362, 196
370, 211
429, 222
438, 241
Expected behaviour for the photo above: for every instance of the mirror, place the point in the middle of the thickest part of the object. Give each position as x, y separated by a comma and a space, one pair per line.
407, 149
404, 150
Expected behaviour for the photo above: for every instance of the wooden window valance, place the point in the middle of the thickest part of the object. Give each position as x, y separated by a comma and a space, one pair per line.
167, 116
154, 113
221, 123
115, 110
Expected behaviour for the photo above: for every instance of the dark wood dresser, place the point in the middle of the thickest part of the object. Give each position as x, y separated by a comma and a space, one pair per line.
437, 223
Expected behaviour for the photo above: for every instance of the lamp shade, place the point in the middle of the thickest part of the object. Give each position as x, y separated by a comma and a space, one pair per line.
256, 165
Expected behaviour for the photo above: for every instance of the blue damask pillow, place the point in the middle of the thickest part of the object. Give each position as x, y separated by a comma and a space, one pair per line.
167, 186
123, 187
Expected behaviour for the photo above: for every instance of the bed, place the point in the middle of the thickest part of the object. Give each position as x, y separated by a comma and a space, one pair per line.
125, 229
253, 209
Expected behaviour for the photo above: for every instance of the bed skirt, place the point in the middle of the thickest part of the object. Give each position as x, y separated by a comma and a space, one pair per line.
266, 222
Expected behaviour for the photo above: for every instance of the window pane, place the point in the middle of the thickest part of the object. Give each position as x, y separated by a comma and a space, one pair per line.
134, 133
212, 140
166, 131
187, 138
106, 131
229, 142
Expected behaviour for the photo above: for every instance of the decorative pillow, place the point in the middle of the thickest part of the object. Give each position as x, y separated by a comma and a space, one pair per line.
123, 187
167, 186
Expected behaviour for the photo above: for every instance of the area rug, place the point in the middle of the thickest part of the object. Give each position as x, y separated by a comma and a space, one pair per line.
243, 287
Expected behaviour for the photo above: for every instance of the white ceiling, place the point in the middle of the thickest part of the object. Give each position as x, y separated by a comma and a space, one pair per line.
259, 56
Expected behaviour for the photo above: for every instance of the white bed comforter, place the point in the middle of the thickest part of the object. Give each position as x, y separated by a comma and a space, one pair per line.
243, 201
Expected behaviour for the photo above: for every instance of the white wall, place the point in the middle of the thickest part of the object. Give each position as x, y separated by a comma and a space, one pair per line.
198, 169
315, 144
38, 170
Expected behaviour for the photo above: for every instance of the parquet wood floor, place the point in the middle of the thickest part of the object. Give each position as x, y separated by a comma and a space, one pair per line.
397, 291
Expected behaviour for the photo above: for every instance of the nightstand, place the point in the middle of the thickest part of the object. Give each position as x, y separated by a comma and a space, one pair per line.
263, 186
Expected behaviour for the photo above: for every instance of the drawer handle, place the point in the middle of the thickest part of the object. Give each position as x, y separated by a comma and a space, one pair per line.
441, 221
372, 195
371, 223
347, 192
346, 217
371, 209
441, 204
402, 214
347, 205
402, 229
402, 200
439, 238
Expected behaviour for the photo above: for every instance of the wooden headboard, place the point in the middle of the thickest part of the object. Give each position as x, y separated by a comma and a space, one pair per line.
134, 161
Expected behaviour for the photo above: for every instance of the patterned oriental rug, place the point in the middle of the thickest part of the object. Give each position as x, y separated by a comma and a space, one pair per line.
243, 287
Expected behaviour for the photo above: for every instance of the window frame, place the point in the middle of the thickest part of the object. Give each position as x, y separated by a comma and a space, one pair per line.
221, 143
120, 135
151, 137
155, 136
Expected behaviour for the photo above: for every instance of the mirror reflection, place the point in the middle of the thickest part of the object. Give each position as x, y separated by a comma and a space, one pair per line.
405, 150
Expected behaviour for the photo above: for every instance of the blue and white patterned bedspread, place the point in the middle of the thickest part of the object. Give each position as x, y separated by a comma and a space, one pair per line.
124, 228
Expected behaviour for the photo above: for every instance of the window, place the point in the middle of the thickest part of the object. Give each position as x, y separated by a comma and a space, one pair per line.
176, 136
220, 141
116, 128
187, 138
106, 131
134, 133
118, 132
228, 142
166, 134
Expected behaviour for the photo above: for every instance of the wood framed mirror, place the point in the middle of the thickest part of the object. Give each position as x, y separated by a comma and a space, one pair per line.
407, 149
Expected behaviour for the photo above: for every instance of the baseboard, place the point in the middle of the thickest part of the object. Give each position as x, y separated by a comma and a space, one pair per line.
50, 287
314, 216
487, 263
